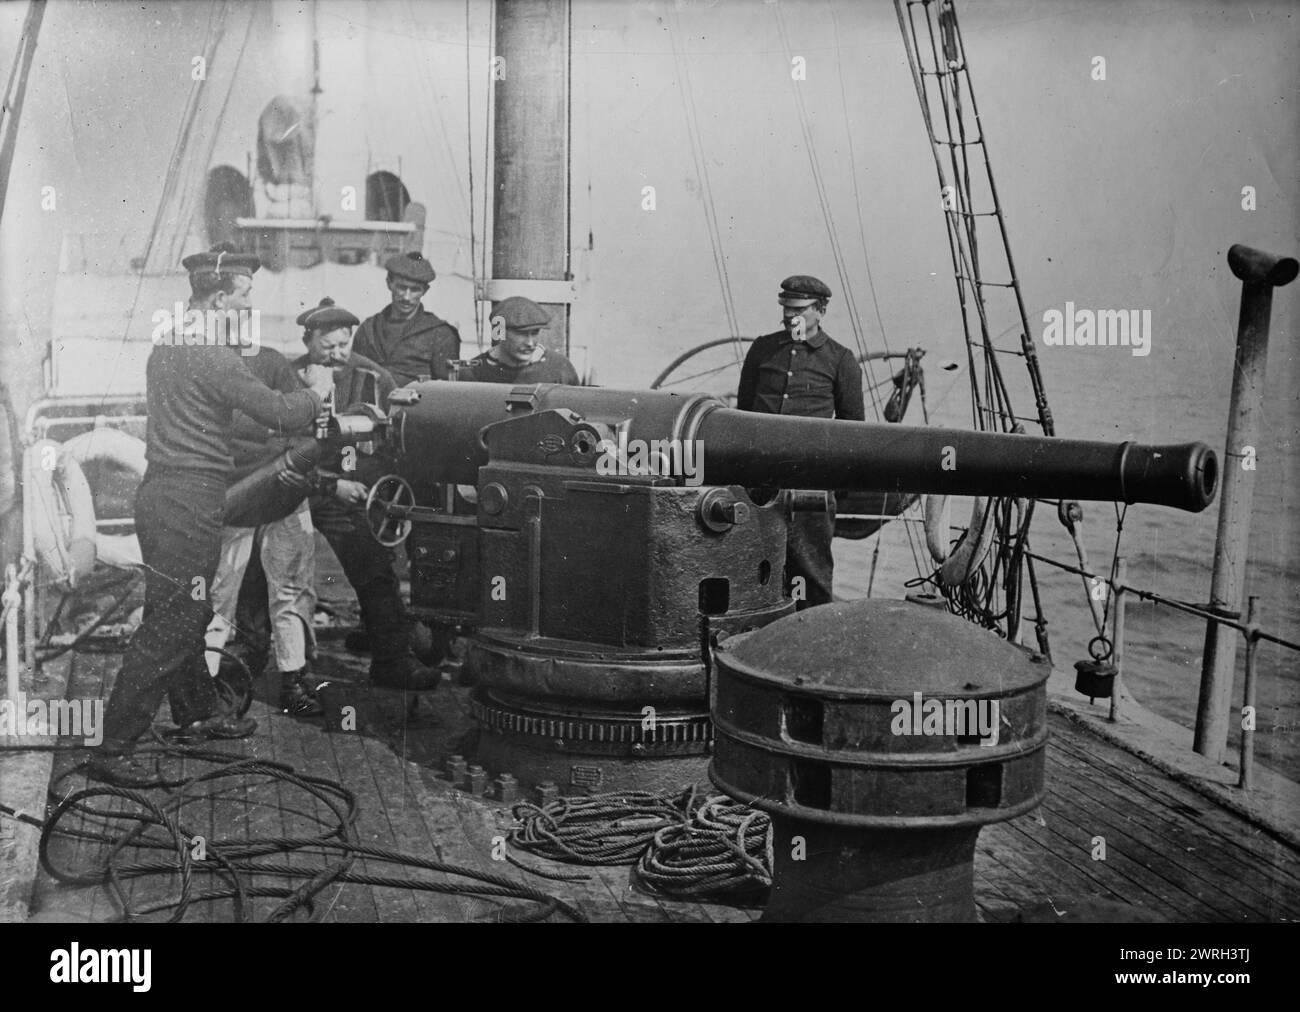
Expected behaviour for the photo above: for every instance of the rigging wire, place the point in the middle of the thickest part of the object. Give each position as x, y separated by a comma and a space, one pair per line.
425, 81
913, 536
487, 155
696, 137
469, 161
213, 36
857, 193
837, 251
990, 397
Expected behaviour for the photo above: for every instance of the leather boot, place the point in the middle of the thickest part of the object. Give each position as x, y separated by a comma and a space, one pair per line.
404, 672
295, 698
392, 665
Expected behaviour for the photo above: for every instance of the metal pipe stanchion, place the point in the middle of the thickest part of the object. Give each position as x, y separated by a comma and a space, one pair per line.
11, 600
29, 552
1260, 273
1248, 704
1121, 579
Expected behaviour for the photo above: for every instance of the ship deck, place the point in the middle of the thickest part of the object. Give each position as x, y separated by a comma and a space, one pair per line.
1170, 851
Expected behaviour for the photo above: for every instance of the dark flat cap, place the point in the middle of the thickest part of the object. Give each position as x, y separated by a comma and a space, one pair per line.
222, 259
326, 316
519, 313
802, 290
411, 266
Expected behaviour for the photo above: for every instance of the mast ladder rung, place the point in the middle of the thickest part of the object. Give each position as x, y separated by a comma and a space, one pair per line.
985, 284
980, 346
954, 109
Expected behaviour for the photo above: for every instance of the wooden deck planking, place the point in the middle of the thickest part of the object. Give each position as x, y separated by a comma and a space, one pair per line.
1185, 836
1169, 849
88, 676
374, 828
1145, 869
1126, 864
82, 678
347, 902
301, 813
392, 778
1039, 871
307, 815
268, 817
999, 891
1234, 837
1160, 854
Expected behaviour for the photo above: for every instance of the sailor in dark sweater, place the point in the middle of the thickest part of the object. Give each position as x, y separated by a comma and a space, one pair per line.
193, 391
518, 356
338, 508
405, 338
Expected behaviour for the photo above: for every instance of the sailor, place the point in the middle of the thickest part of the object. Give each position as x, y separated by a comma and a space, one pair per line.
285, 552
338, 508
519, 356
405, 338
800, 370
193, 390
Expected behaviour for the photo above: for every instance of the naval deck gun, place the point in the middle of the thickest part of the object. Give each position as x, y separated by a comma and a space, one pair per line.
616, 536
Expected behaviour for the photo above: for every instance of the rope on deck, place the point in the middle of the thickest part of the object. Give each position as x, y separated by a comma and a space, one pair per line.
682, 845
235, 860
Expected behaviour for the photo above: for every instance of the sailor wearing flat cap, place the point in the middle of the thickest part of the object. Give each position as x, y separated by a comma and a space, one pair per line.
405, 338
338, 510
193, 393
800, 370
519, 356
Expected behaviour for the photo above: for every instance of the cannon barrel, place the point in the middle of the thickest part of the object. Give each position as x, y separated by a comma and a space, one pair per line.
441, 434
745, 448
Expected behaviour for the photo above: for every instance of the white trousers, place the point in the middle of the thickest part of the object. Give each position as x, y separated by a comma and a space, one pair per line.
289, 558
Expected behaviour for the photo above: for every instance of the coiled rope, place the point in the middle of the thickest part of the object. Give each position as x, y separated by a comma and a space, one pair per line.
683, 844
157, 825
724, 849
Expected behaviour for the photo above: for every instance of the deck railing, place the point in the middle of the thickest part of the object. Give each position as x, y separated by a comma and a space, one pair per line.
1249, 630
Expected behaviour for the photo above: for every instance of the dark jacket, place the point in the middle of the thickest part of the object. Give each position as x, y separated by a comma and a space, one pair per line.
352, 384
552, 367
251, 442
816, 378
193, 393
424, 345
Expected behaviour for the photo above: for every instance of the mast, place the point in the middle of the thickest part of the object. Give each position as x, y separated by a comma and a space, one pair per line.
314, 105
530, 209
16, 92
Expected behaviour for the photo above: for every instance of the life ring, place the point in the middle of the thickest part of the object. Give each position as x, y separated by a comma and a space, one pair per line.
123, 451
121, 551
957, 565
113, 448
62, 513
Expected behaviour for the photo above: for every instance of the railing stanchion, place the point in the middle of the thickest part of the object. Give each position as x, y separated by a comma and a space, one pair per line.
1260, 273
12, 599
1248, 704
1121, 577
